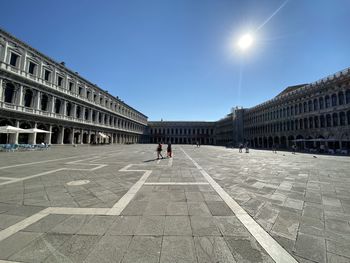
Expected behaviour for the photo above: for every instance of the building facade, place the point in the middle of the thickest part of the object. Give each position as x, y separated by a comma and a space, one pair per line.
305, 115
182, 132
37, 92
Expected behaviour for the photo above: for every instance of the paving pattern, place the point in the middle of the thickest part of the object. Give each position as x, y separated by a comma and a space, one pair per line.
133, 208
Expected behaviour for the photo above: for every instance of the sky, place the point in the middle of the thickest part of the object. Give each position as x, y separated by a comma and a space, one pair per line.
178, 59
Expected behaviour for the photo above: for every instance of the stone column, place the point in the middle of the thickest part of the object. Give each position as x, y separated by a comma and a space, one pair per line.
90, 115
37, 100
89, 137
64, 108
61, 135
97, 117
71, 137
14, 136
52, 105
32, 137
81, 136
19, 96
48, 136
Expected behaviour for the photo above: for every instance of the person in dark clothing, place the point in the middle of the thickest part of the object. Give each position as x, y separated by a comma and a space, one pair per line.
169, 151
159, 151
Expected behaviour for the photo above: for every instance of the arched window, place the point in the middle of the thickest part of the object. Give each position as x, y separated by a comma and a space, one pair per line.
291, 110
348, 116
305, 107
328, 120
341, 98
335, 119
316, 121
321, 103
28, 98
310, 105
305, 123
68, 109
334, 100
322, 121
295, 109
57, 106
315, 104
9, 93
300, 108
327, 101
347, 96
301, 124
78, 112
311, 123
342, 118
44, 102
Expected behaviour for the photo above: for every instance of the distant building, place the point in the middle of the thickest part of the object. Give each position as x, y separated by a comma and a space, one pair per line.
182, 132
307, 115
37, 92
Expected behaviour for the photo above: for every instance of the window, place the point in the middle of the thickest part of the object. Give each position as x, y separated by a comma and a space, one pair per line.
321, 102
80, 90
315, 104
328, 120
14, 60
47, 75
59, 81
88, 93
310, 105
31, 68
322, 122
347, 96
341, 98
316, 121
9, 93
71, 85
335, 119
44, 102
342, 118
305, 107
334, 100
327, 101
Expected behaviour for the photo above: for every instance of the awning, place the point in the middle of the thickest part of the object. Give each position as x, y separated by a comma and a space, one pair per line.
33, 130
102, 135
11, 129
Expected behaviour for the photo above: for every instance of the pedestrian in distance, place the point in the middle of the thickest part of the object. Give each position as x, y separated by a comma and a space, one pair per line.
246, 148
274, 148
240, 147
159, 151
294, 148
169, 151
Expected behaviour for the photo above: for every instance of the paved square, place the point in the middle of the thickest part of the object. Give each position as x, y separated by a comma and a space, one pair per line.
207, 204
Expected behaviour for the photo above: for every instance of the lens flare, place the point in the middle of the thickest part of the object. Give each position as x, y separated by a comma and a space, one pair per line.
245, 41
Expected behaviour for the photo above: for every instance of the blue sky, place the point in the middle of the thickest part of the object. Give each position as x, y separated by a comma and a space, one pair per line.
175, 59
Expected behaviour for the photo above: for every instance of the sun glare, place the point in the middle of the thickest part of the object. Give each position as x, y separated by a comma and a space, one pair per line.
245, 41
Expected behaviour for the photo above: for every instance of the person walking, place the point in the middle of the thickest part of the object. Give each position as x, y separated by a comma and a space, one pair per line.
240, 147
168, 150
159, 151
294, 147
246, 148
274, 150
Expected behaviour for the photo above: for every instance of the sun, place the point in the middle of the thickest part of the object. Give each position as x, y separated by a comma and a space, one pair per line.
245, 41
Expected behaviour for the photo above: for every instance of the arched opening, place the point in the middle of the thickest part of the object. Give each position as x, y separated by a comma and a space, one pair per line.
270, 142
44, 102
300, 142
54, 135
23, 138
76, 139
283, 142
276, 141
93, 138
9, 93
57, 106
40, 137
265, 142
67, 135
291, 140
28, 98
309, 143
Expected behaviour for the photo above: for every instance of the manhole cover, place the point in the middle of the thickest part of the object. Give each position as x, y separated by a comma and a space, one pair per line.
78, 182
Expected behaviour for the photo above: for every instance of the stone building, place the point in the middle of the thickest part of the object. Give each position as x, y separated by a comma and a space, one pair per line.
37, 92
182, 132
309, 115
